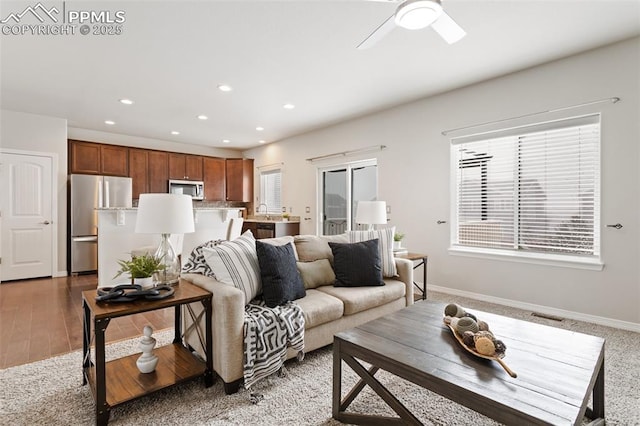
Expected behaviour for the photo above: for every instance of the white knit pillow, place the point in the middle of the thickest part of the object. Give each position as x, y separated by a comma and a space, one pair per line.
385, 244
236, 263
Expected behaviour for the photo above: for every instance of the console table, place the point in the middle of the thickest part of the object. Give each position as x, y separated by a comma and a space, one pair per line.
116, 382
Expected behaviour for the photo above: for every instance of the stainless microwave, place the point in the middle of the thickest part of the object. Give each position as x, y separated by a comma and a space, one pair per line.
188, 187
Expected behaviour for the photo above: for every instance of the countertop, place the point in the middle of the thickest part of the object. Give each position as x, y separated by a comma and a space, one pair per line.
277, 219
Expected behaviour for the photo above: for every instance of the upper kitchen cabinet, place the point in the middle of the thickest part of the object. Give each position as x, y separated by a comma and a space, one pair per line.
239, 172
98, 159
214, 178
138, 171
114, 160
84, 157
158, 171
184, 166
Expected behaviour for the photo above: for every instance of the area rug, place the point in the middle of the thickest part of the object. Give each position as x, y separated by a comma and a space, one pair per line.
50, 392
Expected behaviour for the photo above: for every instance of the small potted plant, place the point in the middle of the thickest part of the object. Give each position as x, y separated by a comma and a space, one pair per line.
140, 269
285, 217
397, 240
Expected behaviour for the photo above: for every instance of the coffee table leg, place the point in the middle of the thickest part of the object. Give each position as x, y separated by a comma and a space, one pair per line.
337, 379
598, 394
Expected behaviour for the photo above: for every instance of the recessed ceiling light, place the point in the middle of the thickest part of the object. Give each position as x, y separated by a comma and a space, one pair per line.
203, 117
288, 106
225, 141
126, 101
224, 88
109, 122
259, 128
262, 141
175, 132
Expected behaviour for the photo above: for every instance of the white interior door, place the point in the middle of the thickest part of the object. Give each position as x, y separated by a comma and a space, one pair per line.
26, 211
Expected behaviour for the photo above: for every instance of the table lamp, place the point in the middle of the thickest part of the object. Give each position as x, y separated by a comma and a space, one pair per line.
165, 214
371, 213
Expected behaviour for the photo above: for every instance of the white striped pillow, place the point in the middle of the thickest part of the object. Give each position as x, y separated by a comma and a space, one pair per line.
236, 263
385, 244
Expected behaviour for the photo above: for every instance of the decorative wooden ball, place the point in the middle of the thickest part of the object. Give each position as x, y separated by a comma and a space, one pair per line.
485, 346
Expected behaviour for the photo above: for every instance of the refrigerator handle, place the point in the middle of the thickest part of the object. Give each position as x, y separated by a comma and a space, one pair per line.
106, 194
100, 194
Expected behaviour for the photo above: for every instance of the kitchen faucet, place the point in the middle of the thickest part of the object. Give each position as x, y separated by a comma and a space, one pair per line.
266, 209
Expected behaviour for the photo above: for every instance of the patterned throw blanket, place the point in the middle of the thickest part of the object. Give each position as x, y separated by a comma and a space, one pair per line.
268, 332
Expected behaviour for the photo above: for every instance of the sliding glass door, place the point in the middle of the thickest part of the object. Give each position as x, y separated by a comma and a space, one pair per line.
341, 187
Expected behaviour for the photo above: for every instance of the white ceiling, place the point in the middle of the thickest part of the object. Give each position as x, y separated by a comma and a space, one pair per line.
171, 56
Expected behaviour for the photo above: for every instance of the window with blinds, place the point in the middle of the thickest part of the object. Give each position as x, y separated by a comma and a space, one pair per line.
532, 189
271, 190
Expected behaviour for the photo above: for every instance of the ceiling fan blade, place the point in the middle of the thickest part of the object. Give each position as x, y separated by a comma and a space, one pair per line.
448, 29
377, 34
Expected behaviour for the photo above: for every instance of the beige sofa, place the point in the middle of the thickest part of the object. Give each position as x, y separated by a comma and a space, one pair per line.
327, 309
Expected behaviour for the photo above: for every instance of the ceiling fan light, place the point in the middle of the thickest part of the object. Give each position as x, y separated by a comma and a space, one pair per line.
417, 14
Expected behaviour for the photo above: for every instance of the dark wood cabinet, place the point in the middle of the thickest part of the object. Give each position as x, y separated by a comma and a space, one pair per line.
158, 171
262, 230
84, 157
114, 160
98, 159
184, 166
139, 171
239, 172
214, 178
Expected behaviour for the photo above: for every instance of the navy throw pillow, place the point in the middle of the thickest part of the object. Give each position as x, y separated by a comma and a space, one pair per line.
281, 281
357, 264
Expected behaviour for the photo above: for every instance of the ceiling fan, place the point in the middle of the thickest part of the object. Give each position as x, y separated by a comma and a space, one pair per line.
415, 15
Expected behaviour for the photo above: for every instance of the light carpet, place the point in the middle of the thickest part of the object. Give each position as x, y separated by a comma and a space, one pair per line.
50, 391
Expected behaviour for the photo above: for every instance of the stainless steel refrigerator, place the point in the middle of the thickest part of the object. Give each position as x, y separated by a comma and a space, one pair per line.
87, 193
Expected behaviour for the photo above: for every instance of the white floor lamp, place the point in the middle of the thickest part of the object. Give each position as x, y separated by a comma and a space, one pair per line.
165, 214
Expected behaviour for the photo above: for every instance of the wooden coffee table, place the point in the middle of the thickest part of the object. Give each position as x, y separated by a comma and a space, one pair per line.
557, 369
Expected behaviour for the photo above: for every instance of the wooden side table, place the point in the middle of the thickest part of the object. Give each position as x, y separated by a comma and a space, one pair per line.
422, 261
119, 381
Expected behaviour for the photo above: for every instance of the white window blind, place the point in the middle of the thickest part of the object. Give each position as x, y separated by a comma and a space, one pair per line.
533, 189
271, 190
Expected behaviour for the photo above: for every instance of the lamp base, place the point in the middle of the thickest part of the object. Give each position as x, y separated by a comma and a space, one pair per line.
170, 272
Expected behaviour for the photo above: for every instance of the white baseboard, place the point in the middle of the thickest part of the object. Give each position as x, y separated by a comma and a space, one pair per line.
61, 274
608, 322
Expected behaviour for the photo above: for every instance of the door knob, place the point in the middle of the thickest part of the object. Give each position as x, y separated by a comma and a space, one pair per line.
46, 222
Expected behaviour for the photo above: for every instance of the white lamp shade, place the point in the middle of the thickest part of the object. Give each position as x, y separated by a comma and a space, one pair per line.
371, 212
164, 214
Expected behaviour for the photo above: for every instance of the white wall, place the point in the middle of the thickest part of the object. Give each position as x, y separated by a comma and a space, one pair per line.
30, 132
414, 179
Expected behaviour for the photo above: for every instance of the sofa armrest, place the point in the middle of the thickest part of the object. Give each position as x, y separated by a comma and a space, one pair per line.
405, 273
227, 328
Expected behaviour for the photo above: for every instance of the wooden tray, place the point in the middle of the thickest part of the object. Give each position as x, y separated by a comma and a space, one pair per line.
497, 358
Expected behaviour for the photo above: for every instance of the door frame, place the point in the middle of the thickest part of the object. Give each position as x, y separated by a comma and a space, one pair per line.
54, 201
349, 166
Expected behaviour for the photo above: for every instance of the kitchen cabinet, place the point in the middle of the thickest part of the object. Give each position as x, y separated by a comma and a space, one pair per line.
98, 159
114, 160
84, 157
185, 166
271, 229
139, 171
214, 178
158, 171
239, 174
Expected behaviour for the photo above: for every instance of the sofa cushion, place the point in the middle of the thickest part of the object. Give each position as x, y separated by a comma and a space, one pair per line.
281, 281
385, 236
357, 264
358, 299
319, 308
311, 247
316, 273
281, 241
236, 263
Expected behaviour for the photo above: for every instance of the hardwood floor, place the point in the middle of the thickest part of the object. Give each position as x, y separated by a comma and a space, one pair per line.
43, 318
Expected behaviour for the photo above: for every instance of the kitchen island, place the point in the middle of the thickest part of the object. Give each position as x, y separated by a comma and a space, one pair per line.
117, 238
